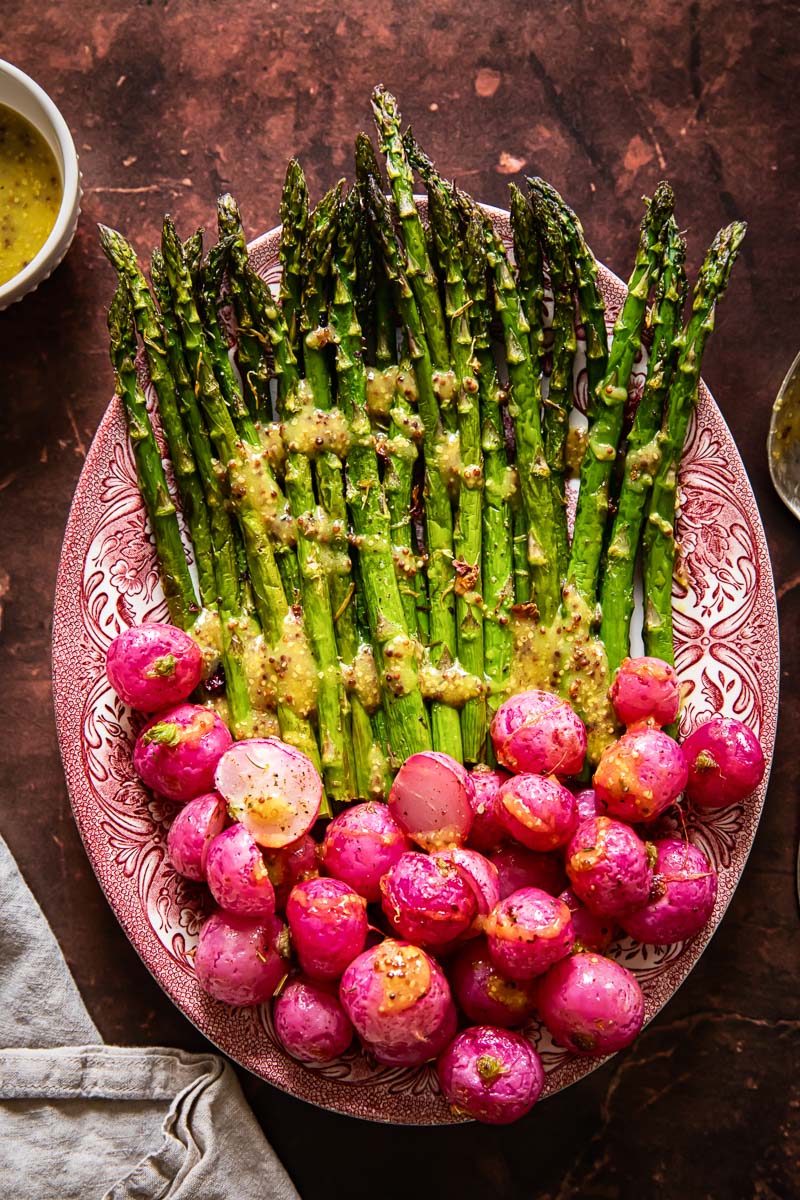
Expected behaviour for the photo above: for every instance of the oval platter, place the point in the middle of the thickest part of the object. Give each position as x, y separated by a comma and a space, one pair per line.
726, 631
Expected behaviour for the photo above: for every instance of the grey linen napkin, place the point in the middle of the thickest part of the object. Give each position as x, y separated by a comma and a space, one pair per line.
79, 1119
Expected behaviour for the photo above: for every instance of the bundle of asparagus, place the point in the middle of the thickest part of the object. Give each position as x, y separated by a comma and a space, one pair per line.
374, 493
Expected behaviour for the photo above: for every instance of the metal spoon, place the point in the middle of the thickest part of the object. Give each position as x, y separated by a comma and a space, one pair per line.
783, 440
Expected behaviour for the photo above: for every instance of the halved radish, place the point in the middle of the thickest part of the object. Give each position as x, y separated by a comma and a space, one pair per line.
272, 788
430, 800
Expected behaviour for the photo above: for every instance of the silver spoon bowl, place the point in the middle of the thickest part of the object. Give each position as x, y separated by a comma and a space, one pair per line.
783, 440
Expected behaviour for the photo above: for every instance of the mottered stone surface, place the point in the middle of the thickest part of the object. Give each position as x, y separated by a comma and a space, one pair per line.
171, 103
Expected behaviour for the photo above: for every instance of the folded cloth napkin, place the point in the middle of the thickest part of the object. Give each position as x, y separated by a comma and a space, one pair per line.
79, 1119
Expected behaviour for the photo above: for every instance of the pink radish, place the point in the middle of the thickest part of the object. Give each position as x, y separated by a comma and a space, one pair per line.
590, 1004
241, 960
518, 867
588, 804
640, 775
591, 932
360, 846
487, 833
177, 752
491, 1074
646, 691
154, 666
428, 900
399, 1001
528, 932
328, 924
483, 994
726, 762
286, 867
237, 876
272, 788
682, 897
193, 831
537, 732
310, 1022
430, 800
537, 811
479, 873
610, 867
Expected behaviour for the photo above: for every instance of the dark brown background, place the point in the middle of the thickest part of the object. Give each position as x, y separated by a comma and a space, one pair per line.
171, 103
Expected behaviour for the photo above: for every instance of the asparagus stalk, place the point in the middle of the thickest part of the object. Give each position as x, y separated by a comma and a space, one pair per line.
188, 441
380, 752
254, 505
444, 205
251, 432
468, 528
373, 293
419, 269
438, 514
659, 531
397, 652
519, 550
642, 454
294, 224
335, 743
316, 336
530, 282
590, 298
367, 299
530, 276
193, 253
254, 366
610, 399
316, 339
234, 601
526, 398
418, 266
401, 453
177, 582
190, 489
558, 402
208, 285
373, 302
405, 428
496, 547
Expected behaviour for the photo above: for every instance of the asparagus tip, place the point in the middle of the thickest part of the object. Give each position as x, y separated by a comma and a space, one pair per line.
662, 205
385, 106
114, 246
367, 166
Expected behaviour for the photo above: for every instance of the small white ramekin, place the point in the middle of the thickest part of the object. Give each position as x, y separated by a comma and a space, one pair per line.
18, 91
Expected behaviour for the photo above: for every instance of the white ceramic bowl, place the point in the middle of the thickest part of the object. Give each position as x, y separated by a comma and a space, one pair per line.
18, 91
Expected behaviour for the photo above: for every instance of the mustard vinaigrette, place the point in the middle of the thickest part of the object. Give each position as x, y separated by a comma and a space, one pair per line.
30, 192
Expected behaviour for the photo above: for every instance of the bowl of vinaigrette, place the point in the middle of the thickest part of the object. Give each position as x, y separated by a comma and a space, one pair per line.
40, 187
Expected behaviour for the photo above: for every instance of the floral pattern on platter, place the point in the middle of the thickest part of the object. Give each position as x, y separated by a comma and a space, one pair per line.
727, 657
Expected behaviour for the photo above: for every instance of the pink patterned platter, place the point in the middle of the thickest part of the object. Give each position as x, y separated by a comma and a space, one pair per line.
727, 656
